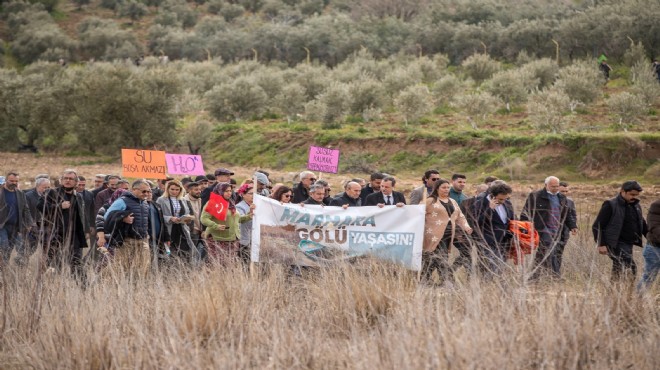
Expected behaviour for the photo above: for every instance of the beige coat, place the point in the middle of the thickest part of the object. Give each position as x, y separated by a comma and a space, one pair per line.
436, 222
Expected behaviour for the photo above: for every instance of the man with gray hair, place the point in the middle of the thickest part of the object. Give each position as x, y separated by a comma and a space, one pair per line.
301, 191
63, 225
127, 228
316, 195
548, 209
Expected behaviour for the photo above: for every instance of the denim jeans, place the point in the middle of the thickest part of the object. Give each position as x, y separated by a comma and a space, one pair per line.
651, 266
10, 237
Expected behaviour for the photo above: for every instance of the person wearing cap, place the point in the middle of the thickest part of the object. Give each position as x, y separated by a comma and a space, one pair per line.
262, 184
193, 197
221, 175
202, 181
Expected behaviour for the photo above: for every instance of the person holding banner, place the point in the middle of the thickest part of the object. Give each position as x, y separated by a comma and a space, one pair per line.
177, 215
442, 216
222, 223
283, 194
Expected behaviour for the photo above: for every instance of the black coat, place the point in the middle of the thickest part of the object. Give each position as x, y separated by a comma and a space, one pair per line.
538, 209
342, 199
53, 223
376, 198
610, 222
300, 194
24, 217
492, 230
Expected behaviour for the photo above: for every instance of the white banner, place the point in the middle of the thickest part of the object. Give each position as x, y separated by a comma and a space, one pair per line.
313, 235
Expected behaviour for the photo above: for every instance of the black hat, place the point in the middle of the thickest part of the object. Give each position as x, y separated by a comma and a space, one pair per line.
223, 171
201, 178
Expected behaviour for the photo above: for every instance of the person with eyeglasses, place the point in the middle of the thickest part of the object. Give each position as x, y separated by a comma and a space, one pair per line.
63, 225
127, 223
283, 194
301, 191
418, 194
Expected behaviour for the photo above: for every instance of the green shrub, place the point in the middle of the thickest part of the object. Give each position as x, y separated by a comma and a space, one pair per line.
480, 67
366, 96
414, 102
581, 81
239, 99
477, 106
547, 110
627, 107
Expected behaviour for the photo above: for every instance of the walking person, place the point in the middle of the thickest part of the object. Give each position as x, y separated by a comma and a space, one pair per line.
618, 227
419, 194
178, 216
283, 194
64, 225
442, 216
15, 221
222, 236
243, 207
564, 188
651, 251
127, 227
549, 211
494, 213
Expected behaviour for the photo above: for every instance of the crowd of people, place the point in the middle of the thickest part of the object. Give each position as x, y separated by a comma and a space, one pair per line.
141, 224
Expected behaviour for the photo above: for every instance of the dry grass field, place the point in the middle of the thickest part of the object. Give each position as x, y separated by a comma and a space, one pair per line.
359, 316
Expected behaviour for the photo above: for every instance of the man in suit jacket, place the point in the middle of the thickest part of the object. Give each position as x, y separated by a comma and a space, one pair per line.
349, 198
15, 218
430, 177
387, 196
494, 211
549, 211
373, 186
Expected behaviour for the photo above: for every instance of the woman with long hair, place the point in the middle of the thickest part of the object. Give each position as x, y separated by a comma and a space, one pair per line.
283, 194
222, 236
178, 216
442, 216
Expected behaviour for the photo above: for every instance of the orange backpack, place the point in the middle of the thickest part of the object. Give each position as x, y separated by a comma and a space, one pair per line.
525, 240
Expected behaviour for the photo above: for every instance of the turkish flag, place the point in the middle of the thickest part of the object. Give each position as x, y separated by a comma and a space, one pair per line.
217, 206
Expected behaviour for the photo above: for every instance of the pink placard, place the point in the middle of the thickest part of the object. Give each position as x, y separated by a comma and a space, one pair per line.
323, 159
184, 164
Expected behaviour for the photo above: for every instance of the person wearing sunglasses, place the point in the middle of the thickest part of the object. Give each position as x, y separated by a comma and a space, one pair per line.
283, 194
130, 216
301, 191
430, 177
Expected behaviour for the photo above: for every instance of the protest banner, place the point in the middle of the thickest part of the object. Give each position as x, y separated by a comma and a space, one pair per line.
323, 159
314, 236
139, 163
184, 164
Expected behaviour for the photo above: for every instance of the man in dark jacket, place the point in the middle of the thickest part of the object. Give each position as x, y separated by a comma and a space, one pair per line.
350, 197
652, 249
32, 196
63, 224
548, 210
316, 195
618, 226
301, 191
127, 223
386, 196
373, 186
494, 211
15, 218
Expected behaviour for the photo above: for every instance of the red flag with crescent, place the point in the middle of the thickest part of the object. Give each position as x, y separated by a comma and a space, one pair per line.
217, 206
